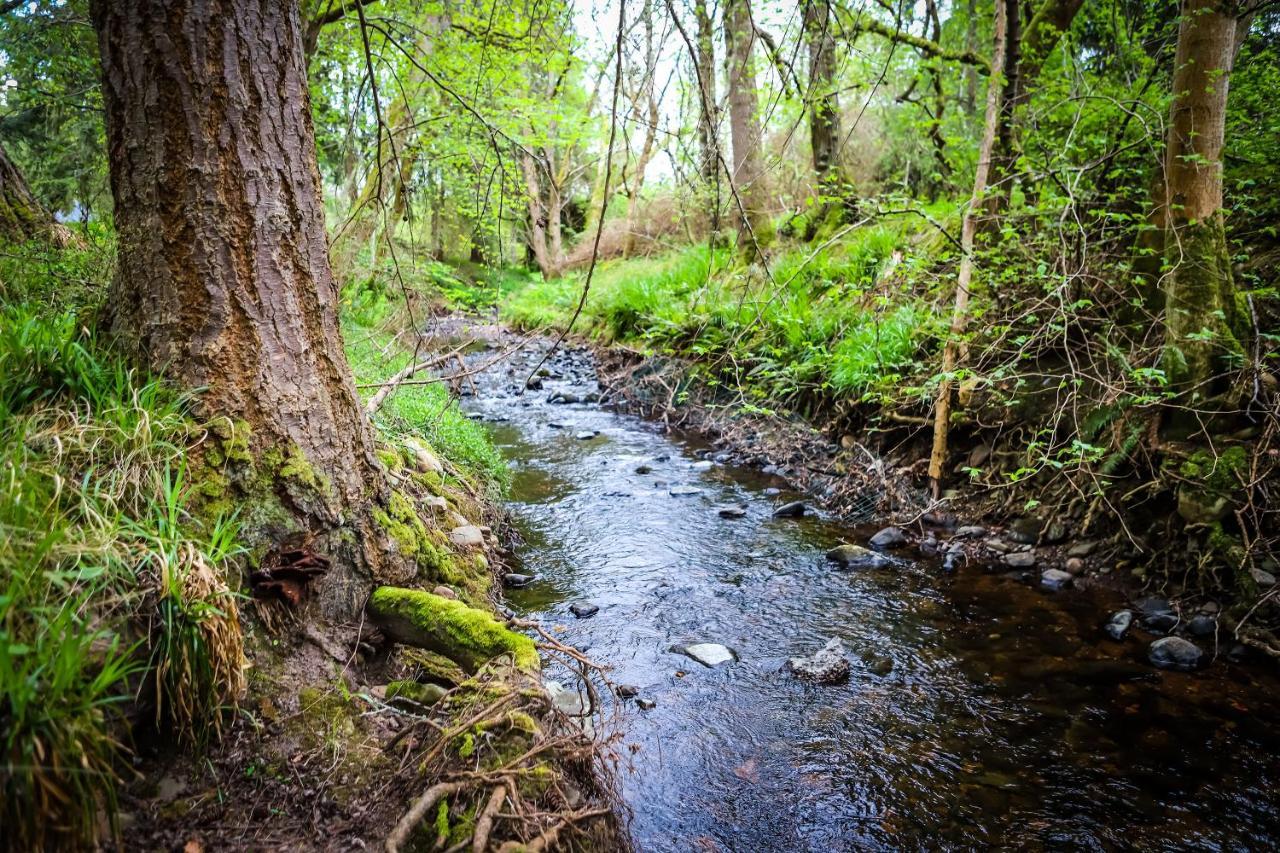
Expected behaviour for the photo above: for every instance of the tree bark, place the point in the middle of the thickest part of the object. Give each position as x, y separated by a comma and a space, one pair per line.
538, 243
708, 116
224, 281
824, 103
968, 232
22, 216
1204, 323
744, 128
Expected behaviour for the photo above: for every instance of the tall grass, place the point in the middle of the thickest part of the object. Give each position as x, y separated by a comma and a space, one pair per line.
840, 319
113, 597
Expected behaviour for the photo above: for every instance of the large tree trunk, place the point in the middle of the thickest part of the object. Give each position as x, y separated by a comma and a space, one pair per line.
754, 232
22, 216
1203, 321
224, 281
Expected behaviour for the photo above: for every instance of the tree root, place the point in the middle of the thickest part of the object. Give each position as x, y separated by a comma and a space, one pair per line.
406, 825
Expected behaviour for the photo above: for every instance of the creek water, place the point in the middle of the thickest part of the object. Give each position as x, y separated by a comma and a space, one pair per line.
981, 711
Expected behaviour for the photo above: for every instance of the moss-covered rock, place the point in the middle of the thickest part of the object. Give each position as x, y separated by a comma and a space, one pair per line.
1210, 482
466, 635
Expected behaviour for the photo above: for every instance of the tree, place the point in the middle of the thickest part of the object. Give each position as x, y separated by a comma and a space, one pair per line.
224, 281
823, 100
708, 115
744, 126
22, 216
1203, 320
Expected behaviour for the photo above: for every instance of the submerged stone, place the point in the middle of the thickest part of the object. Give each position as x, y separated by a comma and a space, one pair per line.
826, 666
584, 609
683, 491
1055, 579
516, 580
856, 555
735, 511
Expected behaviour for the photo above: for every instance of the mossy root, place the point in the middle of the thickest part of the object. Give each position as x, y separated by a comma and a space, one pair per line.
466, 635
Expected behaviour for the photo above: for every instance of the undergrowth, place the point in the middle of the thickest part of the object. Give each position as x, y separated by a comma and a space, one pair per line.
112, 597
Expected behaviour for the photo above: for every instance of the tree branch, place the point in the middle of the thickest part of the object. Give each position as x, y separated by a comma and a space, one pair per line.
862, 24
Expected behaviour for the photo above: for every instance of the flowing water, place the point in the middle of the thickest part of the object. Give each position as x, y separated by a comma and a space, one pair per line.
981, 711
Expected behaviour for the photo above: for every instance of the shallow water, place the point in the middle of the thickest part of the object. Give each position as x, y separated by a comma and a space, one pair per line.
1007, 719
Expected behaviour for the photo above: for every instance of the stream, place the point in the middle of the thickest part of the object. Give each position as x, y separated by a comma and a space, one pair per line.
981, 711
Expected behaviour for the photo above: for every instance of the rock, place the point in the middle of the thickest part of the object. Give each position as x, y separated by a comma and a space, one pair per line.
515, 580
735, 511
848, 442
564, 397
1021, 560
999, 546
794, 509
1157, 614
880, 665
1202, 626
592, 397
1055, 579
423, 459
586, 435
707, 654
644, 469
771, 492
1264, 579
856, 555
628, 691
1075, 565
413, 692
646, 704
567, 701
827, 666
703, 465
889, 537
1054, 533
534, 384
435, 503
584, 609
1082, 549
683, 491
1025, 531
468, 536
445, 592
970, 531
1176, 654
1119, 624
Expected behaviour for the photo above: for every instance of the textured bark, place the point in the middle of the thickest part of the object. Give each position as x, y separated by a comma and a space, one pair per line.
22, 216
744, 127
539, 242
1203, 321
224, 280
824, 104
708, 116
650, 121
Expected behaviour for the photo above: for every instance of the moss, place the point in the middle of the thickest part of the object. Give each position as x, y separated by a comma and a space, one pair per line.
442, 819
392, 460
434, 667
1210, 483
466, 635
235, 436
467, 745
422, 694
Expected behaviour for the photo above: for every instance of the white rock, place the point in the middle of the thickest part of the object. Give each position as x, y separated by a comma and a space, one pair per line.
568, 701
423, 458
469, 536
709, 654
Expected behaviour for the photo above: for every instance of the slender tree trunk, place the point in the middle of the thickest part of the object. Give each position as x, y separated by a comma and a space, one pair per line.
754, 232
537, 242
708, 117
22, 216
968, 231
971, 46
1204, 323
1003, 156
650, 131
824, 103
224, 281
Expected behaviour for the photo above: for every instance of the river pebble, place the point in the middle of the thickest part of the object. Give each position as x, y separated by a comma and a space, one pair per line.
794, 509
1054, 578
707, 654
826, 666
1175, 653
889, 537
584, 609
1119, 624
856, 555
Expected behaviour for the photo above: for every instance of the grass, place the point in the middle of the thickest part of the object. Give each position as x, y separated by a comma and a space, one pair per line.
112, 596
427, 410
844, 319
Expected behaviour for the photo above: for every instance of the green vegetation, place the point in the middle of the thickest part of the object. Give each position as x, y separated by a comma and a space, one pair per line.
110, 590
467, 635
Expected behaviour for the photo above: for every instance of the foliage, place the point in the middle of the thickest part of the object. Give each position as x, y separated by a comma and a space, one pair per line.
108, 584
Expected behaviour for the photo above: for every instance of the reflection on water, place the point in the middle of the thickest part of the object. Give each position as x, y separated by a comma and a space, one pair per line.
980, 711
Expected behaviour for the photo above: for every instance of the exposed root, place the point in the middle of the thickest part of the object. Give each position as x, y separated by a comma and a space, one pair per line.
407, 824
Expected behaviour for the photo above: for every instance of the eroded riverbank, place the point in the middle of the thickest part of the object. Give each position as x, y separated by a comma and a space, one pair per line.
981, 709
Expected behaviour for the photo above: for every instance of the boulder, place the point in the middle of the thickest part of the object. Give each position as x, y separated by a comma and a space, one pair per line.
515, 580
734, 511
827, 666
584, 609
1176, 654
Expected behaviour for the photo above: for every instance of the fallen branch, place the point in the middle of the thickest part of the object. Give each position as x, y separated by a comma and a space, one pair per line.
484, 823
550, 836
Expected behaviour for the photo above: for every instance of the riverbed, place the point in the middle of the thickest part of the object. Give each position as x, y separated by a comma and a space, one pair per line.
982, 710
